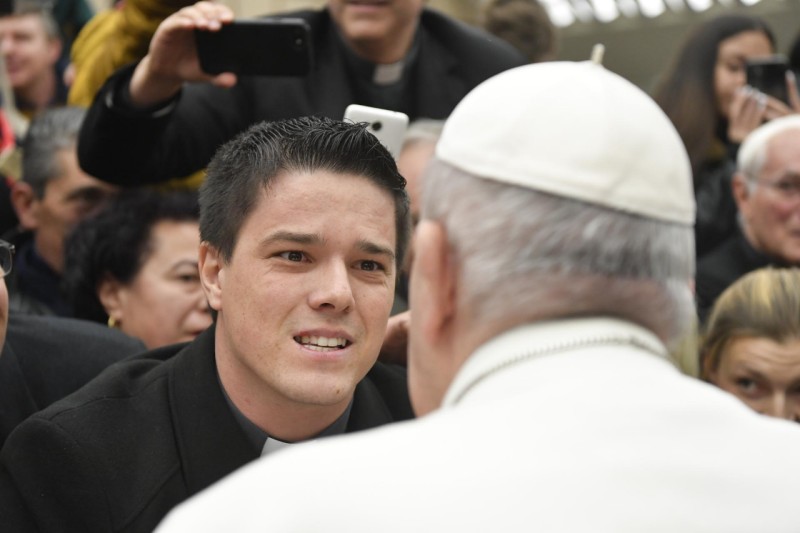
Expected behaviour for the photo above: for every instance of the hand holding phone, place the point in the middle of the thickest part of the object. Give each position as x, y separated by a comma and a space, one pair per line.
172, 57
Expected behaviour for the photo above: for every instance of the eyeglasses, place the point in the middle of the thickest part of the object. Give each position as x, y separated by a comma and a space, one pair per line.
6, 257
787, 188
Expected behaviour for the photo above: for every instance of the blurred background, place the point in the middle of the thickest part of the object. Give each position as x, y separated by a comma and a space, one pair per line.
640, 36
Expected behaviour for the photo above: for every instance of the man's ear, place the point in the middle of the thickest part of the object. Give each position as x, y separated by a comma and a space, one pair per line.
741, 193
54, 50
433, 281
26, 205
211, 266
110, 294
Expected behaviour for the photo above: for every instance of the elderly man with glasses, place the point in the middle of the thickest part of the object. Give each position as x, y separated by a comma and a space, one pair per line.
767, 192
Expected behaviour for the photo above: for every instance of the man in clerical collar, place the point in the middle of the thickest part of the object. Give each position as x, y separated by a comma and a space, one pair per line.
550, 285
304, 224
766, 188
148, 124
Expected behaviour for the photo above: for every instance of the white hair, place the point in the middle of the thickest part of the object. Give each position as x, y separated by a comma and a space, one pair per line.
753, 151
532, 255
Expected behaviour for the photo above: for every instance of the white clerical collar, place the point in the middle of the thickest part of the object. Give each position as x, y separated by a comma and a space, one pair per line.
388, 74
273, 445
532, 341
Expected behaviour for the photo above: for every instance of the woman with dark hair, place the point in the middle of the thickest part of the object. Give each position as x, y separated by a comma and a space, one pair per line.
134, 266
706, 97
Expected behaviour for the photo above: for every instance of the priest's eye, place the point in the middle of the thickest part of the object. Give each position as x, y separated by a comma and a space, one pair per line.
371, 266
747, 385
293, 255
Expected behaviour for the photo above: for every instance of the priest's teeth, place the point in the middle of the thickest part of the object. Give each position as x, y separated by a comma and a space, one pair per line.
323, 342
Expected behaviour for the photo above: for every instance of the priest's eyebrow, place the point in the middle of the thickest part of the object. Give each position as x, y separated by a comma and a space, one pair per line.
292, 236
375, 249
314, 238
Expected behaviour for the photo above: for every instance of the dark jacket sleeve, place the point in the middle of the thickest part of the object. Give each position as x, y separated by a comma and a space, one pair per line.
130, 147
45, 477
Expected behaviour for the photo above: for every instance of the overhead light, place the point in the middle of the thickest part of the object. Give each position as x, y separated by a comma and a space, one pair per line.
651, 8
629, 8
678, 6
560, 12
583, 10
699, 5
605, 10
749, 2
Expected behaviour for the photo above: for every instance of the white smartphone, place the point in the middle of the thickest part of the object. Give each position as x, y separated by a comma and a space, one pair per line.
388, 126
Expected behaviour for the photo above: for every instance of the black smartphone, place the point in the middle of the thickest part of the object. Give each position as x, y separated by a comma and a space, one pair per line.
768, 75
256, 47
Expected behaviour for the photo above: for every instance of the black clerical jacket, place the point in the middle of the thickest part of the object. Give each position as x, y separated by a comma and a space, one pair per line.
154, 430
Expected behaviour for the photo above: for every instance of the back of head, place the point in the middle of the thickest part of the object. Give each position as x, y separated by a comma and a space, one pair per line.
115, 244
51, 131
525, 24
556, 211
244, 167
764, 303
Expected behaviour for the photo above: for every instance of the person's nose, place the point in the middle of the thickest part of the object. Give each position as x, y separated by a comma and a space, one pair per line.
780, 407
740, 78
333, 290
6, 46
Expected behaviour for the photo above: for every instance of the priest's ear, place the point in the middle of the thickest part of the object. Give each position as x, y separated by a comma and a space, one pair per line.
433, 283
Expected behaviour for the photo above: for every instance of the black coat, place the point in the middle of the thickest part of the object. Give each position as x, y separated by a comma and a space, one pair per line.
722, 267
46, 358
126, 147
153, 431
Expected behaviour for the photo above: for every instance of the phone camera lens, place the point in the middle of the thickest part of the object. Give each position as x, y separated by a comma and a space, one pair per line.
376, 126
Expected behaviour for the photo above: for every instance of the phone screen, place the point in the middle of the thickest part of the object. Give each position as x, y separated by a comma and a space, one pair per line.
769, 77
257, 47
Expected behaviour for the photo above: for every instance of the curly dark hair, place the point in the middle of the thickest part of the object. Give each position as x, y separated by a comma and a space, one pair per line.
116, 243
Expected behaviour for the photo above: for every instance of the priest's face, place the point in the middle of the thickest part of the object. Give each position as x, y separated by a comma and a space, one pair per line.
375, 23
304, 300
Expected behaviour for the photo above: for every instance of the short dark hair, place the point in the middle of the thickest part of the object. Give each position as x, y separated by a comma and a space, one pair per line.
244, 166
116, 242
42, 8
525, 25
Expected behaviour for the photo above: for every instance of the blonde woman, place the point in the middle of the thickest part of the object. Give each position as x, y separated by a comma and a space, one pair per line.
752, 343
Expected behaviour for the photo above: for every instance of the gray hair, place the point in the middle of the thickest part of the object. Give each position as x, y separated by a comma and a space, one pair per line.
753, 152
559, 257
52, 130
